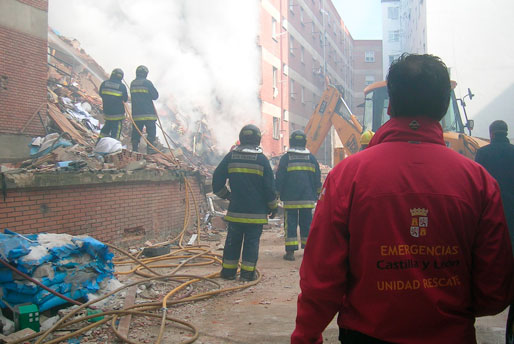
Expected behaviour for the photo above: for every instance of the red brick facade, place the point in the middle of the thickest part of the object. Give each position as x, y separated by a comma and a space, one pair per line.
23, 71
39, 4
119, 213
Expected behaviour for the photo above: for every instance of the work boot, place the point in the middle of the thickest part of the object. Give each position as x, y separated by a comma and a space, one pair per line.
289, 255
247, 277
227, 276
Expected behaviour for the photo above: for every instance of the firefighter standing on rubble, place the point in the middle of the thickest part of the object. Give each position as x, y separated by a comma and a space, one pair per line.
143, 93
298, 184
252, 197
113, 94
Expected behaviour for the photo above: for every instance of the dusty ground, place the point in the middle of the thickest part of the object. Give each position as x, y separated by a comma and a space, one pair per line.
264, 313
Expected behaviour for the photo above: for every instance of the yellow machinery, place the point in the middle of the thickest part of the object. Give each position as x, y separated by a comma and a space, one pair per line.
332, 110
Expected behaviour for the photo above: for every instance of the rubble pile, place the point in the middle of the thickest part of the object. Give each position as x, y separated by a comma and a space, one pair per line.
74, 266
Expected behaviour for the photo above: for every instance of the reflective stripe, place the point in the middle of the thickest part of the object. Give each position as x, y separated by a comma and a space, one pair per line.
114, 117
243, 220
300, 166
222, 193
229, 265
139, 90
246, 218
299, 204
112, 93
241, 167
304, 241
245, 170
291, 242
247, 266
144, 118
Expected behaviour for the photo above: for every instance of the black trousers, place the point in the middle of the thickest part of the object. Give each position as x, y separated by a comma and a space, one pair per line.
353, 337
302, 216
248, 236
509, 335
111, 129
150, 130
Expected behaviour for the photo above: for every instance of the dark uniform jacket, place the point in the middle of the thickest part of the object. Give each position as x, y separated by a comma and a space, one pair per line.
498, 160
252, 186
113, 94
298, 179
143, 92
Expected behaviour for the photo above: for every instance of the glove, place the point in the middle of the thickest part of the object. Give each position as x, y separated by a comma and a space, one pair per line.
273, 212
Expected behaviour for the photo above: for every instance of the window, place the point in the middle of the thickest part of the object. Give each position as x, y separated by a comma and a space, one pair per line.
301, 15
302, 53
302, 94
369, 80
292, 89
369, 56
274, 28
394, 36
291, 6
291, 45
392, 58
276, 128
275, 88
392, 13
284, 69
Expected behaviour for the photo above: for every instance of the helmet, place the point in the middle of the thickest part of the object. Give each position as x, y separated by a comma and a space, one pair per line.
366, 137
297, 139
250, 135
117, 74
141, 71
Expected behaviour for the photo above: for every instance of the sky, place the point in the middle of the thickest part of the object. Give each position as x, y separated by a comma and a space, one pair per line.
362, 17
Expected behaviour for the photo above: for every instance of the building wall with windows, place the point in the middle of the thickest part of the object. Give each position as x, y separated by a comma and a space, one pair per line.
23, 73
304, 45
367, 69
391, 32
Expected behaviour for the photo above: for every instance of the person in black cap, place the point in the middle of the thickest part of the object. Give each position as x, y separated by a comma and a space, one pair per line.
498, 159
252, 197
113, 94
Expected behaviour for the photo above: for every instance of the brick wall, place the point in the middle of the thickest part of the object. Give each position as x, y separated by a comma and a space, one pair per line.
119, 213
39, 4
23, 62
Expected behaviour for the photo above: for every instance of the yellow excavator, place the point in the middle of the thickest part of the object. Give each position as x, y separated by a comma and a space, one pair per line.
332, 110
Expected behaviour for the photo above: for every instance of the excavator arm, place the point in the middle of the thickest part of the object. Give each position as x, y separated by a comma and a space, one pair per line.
332, 110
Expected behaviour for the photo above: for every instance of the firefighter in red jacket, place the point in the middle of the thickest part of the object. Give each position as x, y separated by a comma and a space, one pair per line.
409, 241
298, 183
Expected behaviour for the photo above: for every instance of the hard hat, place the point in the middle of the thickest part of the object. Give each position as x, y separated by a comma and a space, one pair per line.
142, 71
297, 139
366, 137
250, 135
117, 74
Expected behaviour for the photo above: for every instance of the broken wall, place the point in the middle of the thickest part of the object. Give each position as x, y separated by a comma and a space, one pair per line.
120, 208
23, 73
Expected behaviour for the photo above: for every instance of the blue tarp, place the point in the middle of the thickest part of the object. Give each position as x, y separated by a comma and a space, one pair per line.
76, 268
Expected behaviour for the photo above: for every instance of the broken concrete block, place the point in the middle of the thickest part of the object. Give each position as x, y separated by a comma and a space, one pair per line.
14, 337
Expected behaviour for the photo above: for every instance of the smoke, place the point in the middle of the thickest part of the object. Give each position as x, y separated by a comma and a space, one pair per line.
202, 54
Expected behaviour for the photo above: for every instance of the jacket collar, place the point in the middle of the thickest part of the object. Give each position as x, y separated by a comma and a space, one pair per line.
409, 129
298, 150
500, 139
248, 149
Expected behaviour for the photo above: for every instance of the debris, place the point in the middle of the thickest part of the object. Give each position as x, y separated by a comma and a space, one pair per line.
16, 336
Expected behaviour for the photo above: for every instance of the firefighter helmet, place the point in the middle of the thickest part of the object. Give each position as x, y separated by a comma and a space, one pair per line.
141, 71
250, 135
297, 139
366, 137
117, 74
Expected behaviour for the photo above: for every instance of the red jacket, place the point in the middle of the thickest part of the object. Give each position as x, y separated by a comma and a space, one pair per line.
408, 243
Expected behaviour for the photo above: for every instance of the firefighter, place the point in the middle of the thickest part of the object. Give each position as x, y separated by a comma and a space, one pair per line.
113, 94
252, 197
366, 138
143, 93
298, 184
